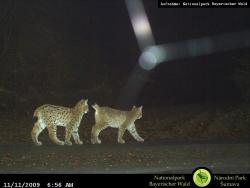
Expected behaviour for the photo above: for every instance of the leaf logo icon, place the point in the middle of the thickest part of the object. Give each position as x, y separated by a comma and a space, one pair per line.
201, 177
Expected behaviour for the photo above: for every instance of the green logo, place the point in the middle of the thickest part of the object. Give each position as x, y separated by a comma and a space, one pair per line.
201, 177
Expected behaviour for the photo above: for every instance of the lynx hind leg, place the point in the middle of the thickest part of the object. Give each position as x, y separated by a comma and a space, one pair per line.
134, 133
37, 129
96, 129
76, 137
68, 134
53, 136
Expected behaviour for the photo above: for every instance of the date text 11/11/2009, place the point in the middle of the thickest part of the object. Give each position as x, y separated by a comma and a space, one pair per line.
30, 184
21, 184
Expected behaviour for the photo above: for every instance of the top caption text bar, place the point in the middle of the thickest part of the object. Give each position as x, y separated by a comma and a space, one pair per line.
203, 4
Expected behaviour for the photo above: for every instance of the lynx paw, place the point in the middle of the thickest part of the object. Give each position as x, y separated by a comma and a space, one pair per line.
68, 143
92, 141
140, 140
60, 143
79, 142
121, 141
38, 143
99, 141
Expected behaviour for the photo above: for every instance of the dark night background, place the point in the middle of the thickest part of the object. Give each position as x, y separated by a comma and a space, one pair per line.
60, 51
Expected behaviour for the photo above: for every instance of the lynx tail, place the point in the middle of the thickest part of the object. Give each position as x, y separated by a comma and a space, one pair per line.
35, 113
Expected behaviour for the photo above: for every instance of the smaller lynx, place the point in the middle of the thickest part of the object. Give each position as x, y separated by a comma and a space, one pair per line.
51, 116
123, 120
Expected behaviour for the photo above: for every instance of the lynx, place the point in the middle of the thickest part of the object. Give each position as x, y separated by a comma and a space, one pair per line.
51, 116
123, 120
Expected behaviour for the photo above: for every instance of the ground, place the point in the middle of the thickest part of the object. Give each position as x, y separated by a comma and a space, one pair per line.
130, 158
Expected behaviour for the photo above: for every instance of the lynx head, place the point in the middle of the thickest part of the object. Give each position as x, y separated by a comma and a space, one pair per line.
82, 106
137, 111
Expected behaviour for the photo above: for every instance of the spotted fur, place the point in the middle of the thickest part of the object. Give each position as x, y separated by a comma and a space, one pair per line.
123, 120
51, 116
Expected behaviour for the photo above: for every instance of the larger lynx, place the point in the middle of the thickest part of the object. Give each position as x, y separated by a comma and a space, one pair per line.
51, 116
123, 120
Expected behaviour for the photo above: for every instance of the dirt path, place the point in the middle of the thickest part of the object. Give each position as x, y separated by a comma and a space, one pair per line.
149, 157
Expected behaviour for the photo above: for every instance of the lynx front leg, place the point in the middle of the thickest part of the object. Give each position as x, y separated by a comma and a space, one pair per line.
76, 137
93, 135
121, 132
52, 135
37, 129
134, 133
96, 129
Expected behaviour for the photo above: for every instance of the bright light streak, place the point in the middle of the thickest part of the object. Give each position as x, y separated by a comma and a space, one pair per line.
152, 56
193, 48
148, 60
140, 23
199, 46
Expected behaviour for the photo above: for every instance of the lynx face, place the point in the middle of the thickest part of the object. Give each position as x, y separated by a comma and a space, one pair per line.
51, 116
123, 120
